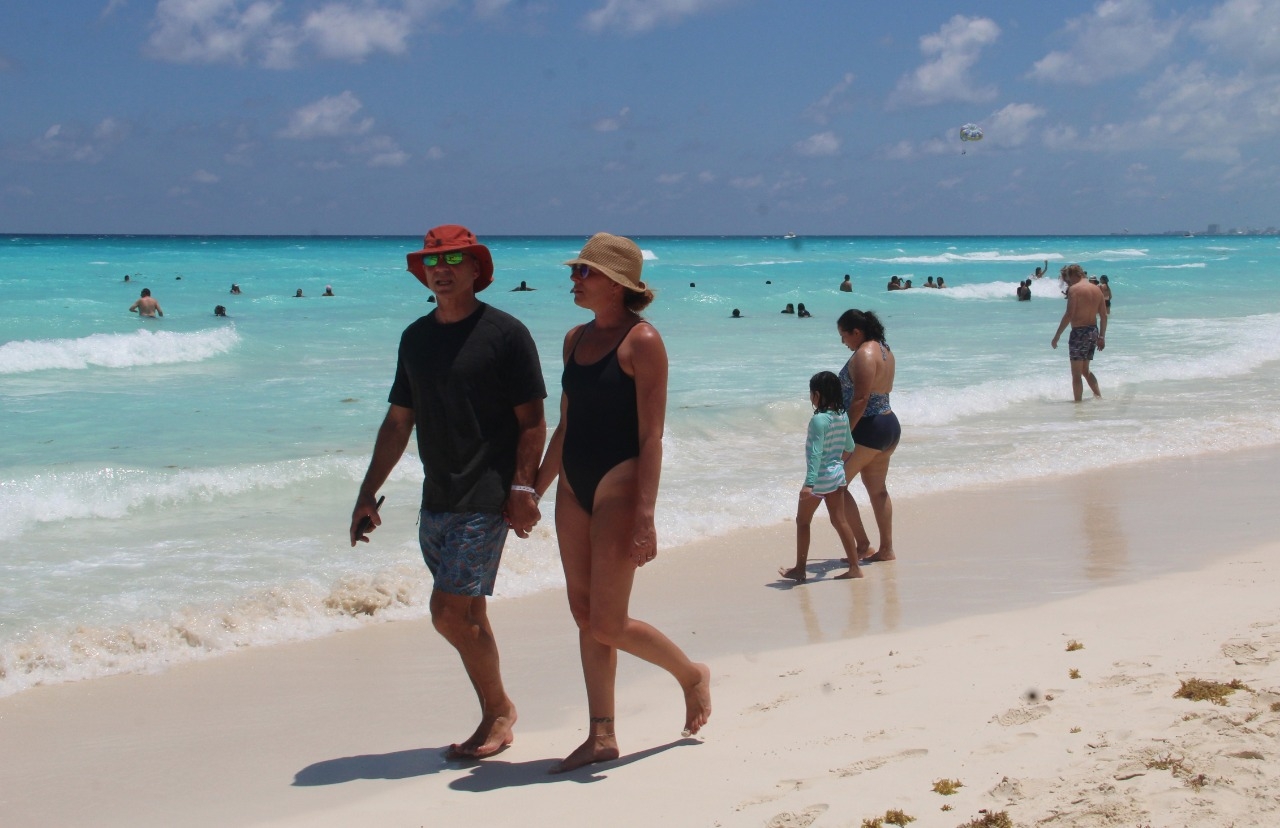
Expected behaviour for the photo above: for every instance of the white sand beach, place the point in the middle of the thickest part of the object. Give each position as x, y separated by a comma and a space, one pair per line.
834, 702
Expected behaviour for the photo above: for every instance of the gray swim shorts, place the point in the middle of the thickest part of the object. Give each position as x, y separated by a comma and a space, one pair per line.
462, 550
1083, 341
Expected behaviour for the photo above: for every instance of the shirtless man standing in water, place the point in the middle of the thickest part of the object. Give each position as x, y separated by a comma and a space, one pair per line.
146, 306
1087, 315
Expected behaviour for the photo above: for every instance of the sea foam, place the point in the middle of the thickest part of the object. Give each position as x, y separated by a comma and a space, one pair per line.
115, 350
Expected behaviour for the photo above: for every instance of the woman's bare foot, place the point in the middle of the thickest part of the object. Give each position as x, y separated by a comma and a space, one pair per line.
697, 702
882, 555
795, 573
866, 553
851, 572
600, 747
492, 736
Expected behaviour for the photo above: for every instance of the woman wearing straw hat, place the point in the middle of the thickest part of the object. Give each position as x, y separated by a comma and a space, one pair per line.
607, 451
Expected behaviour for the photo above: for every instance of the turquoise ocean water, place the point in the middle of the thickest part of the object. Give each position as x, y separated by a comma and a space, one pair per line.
175, 488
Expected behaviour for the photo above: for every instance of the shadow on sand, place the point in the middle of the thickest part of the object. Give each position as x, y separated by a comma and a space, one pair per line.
484, 775
490, 775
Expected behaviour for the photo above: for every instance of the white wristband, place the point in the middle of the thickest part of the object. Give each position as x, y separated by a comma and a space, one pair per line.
529, 489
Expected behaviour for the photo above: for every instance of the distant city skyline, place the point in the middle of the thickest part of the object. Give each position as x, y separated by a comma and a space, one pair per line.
705, 117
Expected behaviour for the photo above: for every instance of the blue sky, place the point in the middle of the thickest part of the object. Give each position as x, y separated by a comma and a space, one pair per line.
637, 116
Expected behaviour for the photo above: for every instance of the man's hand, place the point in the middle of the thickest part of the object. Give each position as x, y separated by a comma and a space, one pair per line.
366, 509
522, 513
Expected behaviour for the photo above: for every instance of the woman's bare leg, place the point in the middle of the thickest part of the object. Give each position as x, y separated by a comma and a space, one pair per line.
874, 476
599, 661
610, 573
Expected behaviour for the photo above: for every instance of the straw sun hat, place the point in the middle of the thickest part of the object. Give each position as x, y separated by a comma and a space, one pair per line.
616, 257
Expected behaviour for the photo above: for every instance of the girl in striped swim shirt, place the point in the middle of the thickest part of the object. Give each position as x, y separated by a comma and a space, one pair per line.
828, 444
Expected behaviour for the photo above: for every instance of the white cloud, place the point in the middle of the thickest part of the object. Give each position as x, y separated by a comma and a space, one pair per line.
346, 33
900, 151
613, 124
73, 143
818, 145
954, 50
835, 101
204, 177
241, 31
1207, 116
706, 177
434, 153
747, 182
240, 154
380, 151
486, 9
211, 31
1243, 29
635, 16
337, 116
1118, 38
328, 117
1011, 125
111, 8
671, 178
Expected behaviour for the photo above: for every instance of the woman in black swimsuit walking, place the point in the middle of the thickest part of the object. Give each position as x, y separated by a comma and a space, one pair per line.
607, 451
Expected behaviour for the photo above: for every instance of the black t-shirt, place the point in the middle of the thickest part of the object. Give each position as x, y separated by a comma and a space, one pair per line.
463, 381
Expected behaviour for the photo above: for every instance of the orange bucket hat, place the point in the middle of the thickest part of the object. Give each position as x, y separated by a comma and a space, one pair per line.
448, 238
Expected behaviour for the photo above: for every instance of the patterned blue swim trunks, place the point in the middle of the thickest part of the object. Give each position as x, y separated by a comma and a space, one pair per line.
462, 550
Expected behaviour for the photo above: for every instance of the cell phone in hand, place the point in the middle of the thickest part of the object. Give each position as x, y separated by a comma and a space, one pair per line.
366, 522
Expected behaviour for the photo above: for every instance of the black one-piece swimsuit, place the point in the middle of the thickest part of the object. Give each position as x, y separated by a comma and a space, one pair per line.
603, 421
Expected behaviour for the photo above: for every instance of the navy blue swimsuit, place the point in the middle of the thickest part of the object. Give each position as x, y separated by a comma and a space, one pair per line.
602, 422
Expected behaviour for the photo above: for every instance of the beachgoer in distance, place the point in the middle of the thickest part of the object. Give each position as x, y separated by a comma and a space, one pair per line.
827, 445
866, 381
468, 380
846, 285
145, 305
929, 283
737, 314
219, 310
126, 277
607, 452
1086, 313
235, 288
521, 287
906, 285
1041, 271
801, 312
1024, 290
894, 284
298, 295
328, 290
790, 308
941, 284
1105, 286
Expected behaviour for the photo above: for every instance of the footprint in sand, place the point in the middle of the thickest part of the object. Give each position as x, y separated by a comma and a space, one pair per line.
764, 707
878, 762
1245, 652
1022, 715
799, 819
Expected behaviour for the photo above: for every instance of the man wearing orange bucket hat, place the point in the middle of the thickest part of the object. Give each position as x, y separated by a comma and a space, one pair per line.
469, 381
